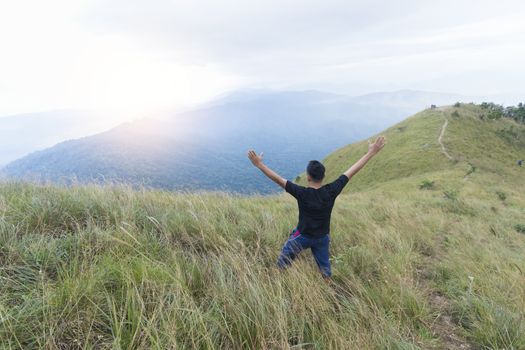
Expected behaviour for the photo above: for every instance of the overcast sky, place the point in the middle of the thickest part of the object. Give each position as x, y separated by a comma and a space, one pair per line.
129, 56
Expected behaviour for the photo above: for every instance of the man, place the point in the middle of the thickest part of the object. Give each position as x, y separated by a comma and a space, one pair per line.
315, 207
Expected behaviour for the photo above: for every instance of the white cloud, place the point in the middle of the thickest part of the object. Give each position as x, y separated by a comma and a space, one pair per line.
50, 61
128, 56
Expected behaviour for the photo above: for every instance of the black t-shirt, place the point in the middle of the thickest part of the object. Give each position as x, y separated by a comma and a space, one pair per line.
315, 205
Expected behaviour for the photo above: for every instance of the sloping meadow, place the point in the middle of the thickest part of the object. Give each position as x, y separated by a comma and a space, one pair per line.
111, 267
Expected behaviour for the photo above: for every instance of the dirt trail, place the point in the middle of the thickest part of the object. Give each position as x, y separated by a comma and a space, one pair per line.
440, 140
443, 326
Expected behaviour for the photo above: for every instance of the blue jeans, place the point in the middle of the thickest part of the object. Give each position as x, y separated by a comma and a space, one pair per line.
298, 242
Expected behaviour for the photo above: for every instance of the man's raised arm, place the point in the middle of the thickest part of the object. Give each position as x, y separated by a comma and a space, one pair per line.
257, 161
373, 149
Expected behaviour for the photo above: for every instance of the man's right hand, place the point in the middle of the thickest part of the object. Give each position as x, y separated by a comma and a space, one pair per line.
256, 160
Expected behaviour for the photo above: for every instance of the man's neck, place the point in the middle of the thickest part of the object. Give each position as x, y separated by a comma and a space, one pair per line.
315, 185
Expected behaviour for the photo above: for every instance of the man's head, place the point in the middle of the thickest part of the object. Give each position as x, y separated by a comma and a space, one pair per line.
315, 171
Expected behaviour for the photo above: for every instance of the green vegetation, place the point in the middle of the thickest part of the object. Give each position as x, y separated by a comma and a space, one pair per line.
496, 111
112, 267
426, 185
476, 145
471, 169
451, 194
501, 195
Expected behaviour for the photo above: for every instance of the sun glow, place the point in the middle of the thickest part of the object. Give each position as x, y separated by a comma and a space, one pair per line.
62, 65
127, 83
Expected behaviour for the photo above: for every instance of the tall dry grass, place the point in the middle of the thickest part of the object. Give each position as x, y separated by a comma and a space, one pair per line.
109, 267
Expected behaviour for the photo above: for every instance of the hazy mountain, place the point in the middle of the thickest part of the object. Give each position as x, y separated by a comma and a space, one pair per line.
205, 148
22, 134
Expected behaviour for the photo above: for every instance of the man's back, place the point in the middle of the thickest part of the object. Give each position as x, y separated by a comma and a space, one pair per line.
315, 205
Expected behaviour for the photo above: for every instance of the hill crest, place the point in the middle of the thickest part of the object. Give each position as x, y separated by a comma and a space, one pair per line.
446, 138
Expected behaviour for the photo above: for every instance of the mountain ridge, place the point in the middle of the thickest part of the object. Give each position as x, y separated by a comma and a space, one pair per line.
414, 147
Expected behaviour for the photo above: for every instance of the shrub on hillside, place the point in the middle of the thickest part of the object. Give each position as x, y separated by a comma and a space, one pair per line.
455, 114
426, 185
516, 112
520, 228
451, 194
457, 104
471, 169
501, 195
513, 135
495, 111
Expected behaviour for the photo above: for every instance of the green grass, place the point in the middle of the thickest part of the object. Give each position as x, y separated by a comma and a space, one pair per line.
110, 267
412, 148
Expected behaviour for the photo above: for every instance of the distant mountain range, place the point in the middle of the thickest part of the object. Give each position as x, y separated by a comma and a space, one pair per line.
205, 148
21, 134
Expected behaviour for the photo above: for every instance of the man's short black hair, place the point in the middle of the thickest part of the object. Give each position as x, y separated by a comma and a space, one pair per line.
316, 170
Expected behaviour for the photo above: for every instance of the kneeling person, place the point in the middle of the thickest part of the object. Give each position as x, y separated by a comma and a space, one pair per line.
315, 204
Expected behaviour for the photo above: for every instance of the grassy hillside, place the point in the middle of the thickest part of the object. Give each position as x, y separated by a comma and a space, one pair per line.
476, 144
439, 267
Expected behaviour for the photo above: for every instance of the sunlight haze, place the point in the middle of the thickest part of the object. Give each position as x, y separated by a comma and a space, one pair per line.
130, 58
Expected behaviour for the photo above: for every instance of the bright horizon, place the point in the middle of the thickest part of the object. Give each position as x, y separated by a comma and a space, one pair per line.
127, 59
